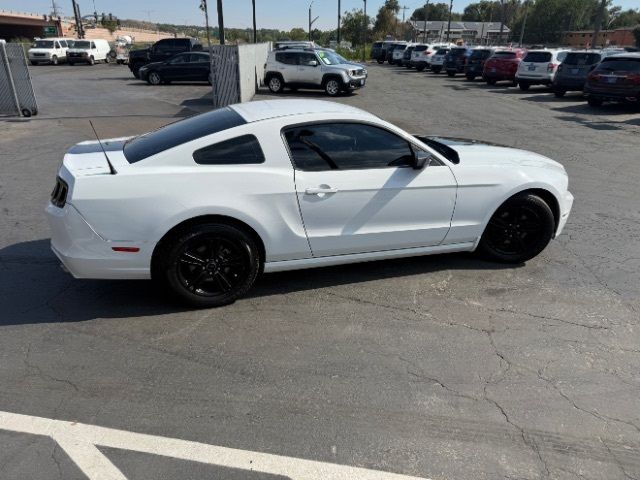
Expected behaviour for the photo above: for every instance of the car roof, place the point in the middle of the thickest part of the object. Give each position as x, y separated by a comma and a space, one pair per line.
622, 56
267, 109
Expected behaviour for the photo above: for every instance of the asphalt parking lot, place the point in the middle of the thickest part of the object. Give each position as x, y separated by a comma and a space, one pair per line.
447, 368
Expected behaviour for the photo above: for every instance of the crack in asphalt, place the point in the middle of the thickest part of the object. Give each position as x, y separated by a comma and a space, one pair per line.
617, 461
39, 373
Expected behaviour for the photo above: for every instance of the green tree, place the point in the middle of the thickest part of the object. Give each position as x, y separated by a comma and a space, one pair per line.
352, 26
435, 11
297, 34
627, 18
386, 20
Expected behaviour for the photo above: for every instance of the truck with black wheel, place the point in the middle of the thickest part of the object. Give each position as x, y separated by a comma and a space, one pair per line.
160, 51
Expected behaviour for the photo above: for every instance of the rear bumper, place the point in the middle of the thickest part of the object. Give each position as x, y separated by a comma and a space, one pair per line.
568, 83
498, 76
534, 80
85, 254
626, 97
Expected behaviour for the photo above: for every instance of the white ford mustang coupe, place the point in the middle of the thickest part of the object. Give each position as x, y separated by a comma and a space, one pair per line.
207, 203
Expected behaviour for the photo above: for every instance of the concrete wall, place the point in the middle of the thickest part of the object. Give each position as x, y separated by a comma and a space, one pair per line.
251, 60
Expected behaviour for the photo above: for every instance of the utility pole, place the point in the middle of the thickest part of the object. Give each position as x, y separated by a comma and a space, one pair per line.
255, 30
501, 19
598, 25
78, 17
364, 33
524, 21
205, 9
311, 22
403, 12
56, 11
426, 15
449, 23
220, 22
339, 22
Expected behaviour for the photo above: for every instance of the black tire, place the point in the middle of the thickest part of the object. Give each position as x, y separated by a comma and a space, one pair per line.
594, 102
451, 74
332, 86
208, 265
54, 60
275, 83
380, 62
408, 65
26, 112
524, 86
420, 68
35, 64
436, 69
559, 93
71, 63
154, 78
519, 230
92, 61
491, 81
470, 78
136, 70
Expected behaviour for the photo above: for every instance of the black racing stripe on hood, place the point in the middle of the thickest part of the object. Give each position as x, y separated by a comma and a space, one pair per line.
109, 146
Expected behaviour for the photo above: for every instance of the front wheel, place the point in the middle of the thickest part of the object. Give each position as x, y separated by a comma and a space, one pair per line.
92, 61
420, 67
519, 230
436, 69
491, 81
154, 78
470, 78
209, 265
451, 74
54, 60
275, 83
332, 87
559, 93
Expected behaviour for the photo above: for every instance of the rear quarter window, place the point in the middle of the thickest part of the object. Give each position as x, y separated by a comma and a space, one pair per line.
244, 150
582, 58
480, 54
504, 55
620, 65
420, 48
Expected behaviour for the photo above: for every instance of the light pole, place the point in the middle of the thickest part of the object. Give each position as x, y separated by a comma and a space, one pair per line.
426, 15
255, 31
524, 22
311, 22
449, 23
364, 33
339, 22
221, 22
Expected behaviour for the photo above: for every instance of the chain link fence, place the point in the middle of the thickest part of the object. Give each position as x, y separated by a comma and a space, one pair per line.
16, 91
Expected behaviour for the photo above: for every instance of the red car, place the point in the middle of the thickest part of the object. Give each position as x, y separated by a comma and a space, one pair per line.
502, 65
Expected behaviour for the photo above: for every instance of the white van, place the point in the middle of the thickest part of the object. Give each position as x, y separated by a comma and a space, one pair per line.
49, 50
89, 51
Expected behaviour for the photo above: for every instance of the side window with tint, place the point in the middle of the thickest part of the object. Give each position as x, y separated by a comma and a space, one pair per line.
288, 58
346, 146
237, 151
305, 58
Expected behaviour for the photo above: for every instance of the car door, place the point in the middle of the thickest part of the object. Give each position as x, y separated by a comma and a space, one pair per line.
176, 68
309, 69
357, 192
200, 66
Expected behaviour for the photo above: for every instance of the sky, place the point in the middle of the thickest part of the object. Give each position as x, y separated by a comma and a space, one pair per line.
280, 14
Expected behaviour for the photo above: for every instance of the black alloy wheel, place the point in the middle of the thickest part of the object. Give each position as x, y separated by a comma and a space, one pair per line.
519, 230
210, 265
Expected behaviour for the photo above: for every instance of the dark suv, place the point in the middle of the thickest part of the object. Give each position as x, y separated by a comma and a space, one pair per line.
160, 51
456, 60
615, 79
475, 64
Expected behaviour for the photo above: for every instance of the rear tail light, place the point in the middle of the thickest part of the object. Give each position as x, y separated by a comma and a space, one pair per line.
551, 67
593, 77
126, 249
59, 194
634, 79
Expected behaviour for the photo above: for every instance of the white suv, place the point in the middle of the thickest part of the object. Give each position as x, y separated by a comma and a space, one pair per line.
49, 50
539, 67
312, 68
422, 54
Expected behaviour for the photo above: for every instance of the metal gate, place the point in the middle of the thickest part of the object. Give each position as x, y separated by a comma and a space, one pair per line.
225, 75
16, 92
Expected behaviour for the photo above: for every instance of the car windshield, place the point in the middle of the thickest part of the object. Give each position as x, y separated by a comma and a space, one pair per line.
329, 58
504, 55
81, 44
480, 54
582, 58
620, 65
43, 44
538, 57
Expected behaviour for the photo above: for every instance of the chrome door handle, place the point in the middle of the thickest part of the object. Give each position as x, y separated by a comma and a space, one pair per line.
320, 190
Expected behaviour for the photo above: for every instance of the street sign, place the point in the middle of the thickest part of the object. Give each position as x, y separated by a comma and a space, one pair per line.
50, 31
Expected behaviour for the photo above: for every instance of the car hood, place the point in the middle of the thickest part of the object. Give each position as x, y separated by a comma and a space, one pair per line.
484, 153
151, 65
41, 50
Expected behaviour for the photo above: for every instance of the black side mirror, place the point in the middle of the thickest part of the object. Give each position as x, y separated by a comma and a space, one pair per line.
421, 160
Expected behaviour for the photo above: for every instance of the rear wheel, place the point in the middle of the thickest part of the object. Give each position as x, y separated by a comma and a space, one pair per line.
420, 67
380, 61
470, 78
524, 86
154, 78
275, 84
54, 60
92, 61
451, 74
436, 69
559, 93
519, 230
491, 81
209, 265
594, 102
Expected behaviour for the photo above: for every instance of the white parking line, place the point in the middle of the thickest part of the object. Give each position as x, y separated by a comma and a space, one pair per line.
79, 441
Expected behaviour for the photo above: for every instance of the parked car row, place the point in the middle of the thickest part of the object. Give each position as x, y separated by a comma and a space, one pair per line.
611, 74
54, 51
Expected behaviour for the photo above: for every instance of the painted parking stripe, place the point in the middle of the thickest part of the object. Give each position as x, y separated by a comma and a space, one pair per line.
79, 441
